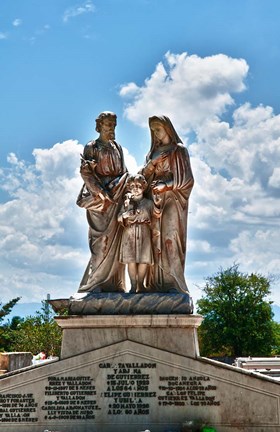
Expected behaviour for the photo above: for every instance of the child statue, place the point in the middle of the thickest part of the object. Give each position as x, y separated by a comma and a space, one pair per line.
136, 217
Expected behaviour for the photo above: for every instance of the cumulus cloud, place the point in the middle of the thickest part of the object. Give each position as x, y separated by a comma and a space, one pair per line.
236, 199
248, 149
194, 88
77, 10
130, 89
34, 221
274, 179
17, 22
234, 206
130, 162
43, 233
262, 241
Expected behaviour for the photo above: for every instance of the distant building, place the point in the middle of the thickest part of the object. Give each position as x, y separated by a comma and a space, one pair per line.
269, 366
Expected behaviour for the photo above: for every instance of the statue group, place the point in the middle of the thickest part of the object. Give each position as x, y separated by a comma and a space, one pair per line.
136, 220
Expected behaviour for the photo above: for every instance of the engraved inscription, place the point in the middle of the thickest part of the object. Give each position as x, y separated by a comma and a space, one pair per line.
128, 388
18, 408
70, 398
182, 390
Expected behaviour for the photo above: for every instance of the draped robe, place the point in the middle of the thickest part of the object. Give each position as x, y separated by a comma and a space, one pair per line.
104, 273
170, 231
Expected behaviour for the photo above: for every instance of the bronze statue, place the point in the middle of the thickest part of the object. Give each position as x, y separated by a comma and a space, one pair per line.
148, 233
169, 175
136, 217
104, 174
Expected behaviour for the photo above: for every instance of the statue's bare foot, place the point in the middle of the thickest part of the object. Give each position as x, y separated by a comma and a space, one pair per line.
133, 288
142, 289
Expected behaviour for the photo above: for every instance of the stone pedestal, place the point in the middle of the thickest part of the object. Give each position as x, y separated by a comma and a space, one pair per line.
172, 333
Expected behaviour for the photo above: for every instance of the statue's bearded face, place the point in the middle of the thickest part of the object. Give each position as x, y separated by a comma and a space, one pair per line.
107, 127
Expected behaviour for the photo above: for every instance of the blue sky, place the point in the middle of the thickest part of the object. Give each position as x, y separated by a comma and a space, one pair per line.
212, 66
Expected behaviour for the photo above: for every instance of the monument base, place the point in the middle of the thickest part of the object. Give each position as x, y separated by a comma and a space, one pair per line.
172, 333
131, 373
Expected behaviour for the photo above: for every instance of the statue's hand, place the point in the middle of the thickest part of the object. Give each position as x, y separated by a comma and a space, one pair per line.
159, 187
85, 169
157, 199
87, 166
156, 158
127, 199
128, 214
129, 217
92, 164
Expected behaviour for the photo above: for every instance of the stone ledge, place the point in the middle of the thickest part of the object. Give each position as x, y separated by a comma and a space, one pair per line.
11, 361
121, 321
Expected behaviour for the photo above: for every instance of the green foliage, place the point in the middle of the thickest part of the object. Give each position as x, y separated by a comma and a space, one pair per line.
237, 317
38, 333
7, 331
6, 309
276, 347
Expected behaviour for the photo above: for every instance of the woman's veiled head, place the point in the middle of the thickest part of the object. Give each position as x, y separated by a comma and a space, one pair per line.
157, 136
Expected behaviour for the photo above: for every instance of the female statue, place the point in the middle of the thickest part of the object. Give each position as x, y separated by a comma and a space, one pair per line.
169, 175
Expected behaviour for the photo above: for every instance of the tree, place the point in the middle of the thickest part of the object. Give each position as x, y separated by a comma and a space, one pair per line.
4, 311
38, 333
276, 347
237, 315
7, 332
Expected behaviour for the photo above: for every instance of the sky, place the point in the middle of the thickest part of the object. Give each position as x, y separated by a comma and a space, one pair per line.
212, 66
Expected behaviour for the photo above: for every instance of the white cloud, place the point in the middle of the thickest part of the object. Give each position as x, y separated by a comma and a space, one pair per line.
258, 249
3, 36
13, 160
40, 225
248, 149
17, 22
77, 10
193, 88
199, 246
43, 233
274, 179
130, 89
234, 200
130, 162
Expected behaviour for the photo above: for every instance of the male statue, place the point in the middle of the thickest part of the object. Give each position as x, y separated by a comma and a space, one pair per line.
104, 174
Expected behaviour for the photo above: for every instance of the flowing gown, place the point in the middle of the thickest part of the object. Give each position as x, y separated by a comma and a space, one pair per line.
170, 231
